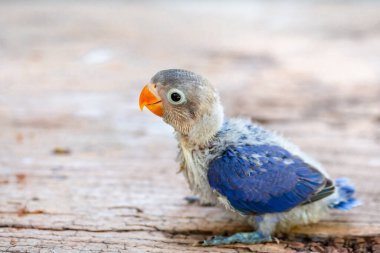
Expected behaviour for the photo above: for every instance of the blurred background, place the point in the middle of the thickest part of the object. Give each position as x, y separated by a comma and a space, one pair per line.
77, 155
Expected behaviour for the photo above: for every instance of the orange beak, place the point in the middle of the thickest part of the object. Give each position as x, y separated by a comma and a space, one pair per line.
150, 98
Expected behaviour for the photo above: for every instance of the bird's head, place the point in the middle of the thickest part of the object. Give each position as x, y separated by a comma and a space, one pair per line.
186, 101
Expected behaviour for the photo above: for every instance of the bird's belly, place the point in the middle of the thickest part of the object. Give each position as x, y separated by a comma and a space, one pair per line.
196, 175
200, 186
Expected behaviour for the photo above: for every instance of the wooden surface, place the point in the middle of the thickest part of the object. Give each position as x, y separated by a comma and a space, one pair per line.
82, 170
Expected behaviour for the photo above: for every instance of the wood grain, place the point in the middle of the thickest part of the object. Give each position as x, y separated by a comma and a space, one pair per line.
82, 170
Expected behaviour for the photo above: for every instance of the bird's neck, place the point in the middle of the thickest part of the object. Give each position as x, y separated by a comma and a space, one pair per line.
203, 131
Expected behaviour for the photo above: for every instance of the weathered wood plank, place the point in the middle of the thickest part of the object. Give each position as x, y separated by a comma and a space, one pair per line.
70, 75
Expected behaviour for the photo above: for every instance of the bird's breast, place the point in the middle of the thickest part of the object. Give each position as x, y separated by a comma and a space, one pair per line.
195, 163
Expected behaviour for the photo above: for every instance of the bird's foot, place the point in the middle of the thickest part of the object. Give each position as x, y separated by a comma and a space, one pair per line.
245, 238
194, 199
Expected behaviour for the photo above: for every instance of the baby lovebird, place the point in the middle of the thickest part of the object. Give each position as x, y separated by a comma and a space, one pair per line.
240, 165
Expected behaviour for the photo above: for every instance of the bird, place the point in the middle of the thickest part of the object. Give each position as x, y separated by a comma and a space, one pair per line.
239, 165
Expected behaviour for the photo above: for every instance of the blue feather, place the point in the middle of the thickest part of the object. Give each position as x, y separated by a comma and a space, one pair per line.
263, 178
346, 200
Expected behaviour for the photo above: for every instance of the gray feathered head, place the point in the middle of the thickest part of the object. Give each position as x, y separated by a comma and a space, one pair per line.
185, 100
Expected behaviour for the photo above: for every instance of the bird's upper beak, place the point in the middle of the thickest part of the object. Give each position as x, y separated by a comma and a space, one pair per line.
150, 98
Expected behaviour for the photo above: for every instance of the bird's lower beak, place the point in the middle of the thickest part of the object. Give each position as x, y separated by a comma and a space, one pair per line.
150, 98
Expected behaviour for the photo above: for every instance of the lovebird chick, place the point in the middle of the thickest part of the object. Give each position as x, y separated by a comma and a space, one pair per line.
239, 165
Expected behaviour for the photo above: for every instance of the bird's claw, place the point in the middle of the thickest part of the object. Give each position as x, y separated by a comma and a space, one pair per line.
194, 199
245, 238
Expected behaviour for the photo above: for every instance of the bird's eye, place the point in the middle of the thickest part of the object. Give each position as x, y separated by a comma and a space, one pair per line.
176, 97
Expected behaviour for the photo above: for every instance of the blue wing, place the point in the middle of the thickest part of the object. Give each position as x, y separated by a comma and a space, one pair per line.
265, 179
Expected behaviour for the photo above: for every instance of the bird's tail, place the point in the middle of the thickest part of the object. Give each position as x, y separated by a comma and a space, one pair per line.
345, 199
